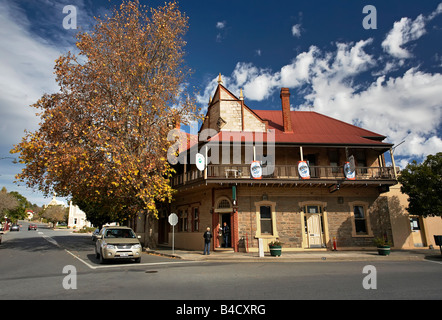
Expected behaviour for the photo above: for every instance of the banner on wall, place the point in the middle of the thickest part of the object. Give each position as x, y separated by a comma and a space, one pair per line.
256, 170
303, 170
200, 162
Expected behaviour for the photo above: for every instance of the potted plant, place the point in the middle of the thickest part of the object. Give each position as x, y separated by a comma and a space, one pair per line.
383, 246
275, 248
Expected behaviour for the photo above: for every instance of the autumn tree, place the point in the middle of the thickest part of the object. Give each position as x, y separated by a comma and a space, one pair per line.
103, 137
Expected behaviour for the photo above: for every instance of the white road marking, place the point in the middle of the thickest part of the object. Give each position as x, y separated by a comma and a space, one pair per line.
125, 265
433, 261
49, 239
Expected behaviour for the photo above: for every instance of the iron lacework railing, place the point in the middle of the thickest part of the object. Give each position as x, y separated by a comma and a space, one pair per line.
281, 172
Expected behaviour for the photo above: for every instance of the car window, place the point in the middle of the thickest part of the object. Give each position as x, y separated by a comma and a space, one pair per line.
119, 233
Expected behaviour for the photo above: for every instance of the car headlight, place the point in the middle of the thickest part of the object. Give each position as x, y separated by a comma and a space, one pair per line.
136, 246
109, 246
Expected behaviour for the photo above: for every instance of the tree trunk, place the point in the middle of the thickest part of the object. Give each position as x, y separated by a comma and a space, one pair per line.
149, 235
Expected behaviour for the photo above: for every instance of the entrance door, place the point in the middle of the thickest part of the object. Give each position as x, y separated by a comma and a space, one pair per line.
225, 218
416, 232
163, 230
314, 226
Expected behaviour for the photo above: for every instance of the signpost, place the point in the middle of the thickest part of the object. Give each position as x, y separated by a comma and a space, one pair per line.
173, 220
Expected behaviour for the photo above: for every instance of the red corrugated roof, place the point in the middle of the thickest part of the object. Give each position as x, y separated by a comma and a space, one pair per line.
308, 128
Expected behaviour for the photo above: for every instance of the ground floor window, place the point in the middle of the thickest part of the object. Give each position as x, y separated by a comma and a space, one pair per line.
266, 220
196, 219
183, 220
360, 219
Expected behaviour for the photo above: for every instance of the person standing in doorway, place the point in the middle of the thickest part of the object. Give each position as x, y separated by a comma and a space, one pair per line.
207, 240
226, 235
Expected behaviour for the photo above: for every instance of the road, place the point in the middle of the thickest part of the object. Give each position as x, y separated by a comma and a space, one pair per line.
32, 264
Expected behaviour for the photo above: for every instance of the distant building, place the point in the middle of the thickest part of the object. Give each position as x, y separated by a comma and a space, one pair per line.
76, 219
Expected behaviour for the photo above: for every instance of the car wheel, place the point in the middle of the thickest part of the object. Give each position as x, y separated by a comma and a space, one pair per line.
102, 259
97, 255
137, 260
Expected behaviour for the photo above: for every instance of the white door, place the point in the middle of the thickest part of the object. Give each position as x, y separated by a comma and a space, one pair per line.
314, 227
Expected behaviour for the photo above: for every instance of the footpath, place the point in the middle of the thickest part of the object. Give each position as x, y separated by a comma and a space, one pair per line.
301, 256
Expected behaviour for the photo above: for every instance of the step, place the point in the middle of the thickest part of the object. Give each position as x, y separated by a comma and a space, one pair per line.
224, 250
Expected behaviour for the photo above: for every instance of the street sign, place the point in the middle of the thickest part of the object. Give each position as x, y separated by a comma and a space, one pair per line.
173, 219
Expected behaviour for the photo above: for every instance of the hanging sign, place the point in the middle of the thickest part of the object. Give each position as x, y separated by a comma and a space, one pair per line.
303, 170
200, 162
256, 170
349, 173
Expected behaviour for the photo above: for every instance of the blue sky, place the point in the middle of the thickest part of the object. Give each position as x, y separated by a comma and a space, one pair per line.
388, 79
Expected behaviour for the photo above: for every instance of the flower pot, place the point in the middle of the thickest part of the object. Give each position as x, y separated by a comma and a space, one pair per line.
384, 250
275, 251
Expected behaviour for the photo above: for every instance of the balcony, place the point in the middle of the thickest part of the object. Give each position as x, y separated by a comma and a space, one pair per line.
283, 174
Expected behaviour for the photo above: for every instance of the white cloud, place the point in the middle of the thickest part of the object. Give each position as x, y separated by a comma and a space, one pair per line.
403, 32
407, 30
296, 30
407, 107
27, 63
220, 24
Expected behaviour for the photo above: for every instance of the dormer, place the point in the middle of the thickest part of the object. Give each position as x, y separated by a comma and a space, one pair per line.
227, 112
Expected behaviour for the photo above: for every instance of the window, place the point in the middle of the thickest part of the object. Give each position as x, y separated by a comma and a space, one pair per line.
182, 220
266, 226
196, 219
414, 223
224, 204
266, 220
360, 220
185, 219
119, 233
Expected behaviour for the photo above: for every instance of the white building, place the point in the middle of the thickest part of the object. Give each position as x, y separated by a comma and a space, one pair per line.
77, 218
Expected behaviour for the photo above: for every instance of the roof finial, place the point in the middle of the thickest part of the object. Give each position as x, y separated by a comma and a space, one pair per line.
241, 95
220, 81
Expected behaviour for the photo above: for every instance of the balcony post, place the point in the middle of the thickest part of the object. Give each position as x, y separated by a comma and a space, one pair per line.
205, 164
394, 164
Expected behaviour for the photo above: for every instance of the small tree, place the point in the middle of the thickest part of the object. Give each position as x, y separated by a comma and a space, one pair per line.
55, 213
423, 185
7, 202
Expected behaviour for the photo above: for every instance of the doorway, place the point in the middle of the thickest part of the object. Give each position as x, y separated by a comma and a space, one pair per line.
225, 218
314, 226
311, 158
417, 233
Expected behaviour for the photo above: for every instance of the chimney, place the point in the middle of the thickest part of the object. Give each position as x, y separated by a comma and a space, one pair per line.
286, 118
